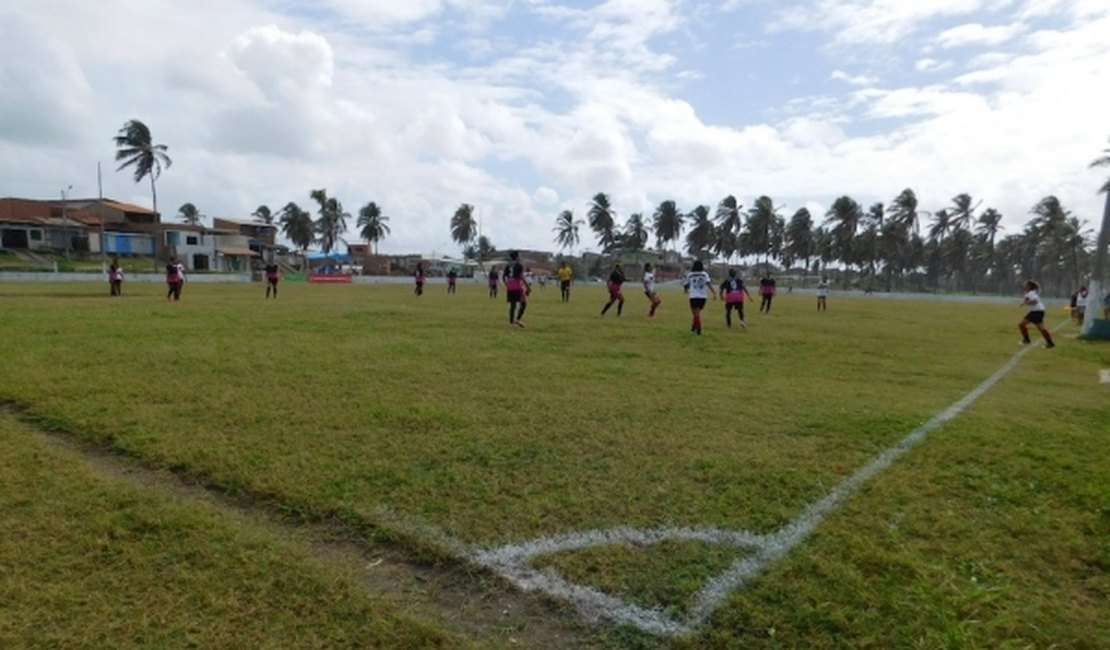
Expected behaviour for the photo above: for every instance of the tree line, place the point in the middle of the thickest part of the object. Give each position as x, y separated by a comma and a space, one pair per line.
896, 246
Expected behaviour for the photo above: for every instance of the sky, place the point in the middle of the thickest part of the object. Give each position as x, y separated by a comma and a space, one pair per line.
526, 108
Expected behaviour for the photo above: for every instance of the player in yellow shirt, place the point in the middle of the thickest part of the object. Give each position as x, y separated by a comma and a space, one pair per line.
565, 274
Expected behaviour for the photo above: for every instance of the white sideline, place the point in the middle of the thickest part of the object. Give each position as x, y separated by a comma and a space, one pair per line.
511, 560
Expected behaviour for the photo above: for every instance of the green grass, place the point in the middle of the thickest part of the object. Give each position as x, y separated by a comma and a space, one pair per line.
92, 561
366, 404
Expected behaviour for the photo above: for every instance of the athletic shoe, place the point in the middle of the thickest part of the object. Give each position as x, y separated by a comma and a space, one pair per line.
520, 323
1050, 345
743, 324
1024, 342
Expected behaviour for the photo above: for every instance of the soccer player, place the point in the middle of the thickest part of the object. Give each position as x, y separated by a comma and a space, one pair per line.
649, 289
733, 290
115, 279
516, 289
766, 291
452, 280
822, 294
698, 286
175, 277
616, 279
566, 274
419, 275
493, 281
1032, 300
273, 274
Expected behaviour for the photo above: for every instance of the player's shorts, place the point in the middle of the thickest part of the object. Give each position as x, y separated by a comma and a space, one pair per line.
697, 303
1035, 317
564, 284
514, 295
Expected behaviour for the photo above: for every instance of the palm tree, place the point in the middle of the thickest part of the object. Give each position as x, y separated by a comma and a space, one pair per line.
372, 224
332, 222
729, 225
942, 225
635, 235
1103, 161
702, 233
566, 230
482, 250
962, 212
800, 243
134, 146
296, 224
601, 221
189, 214
667, 223
464, 227
844, 217
1099, 268
763, 233
262, 214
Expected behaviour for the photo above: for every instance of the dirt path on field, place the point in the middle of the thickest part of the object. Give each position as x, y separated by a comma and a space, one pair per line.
463, 599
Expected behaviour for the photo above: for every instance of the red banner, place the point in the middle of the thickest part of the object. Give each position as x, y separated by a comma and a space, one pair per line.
335, 278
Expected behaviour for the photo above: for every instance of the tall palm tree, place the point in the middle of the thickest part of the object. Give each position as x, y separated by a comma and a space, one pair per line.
635, 235
1103, 161
941, 226
189, 214
464, 227
332, 222
135, 147
962, 216
296, 224
262, 214
566, 230
667, 223
372, 224
844, 218
903, 212
602, 222
729, 224
702, 233
763, 233
800, 242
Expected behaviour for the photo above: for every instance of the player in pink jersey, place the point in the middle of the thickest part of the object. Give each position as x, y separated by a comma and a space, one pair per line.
734, 291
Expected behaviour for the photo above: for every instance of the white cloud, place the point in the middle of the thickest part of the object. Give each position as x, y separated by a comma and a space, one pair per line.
931, 65
864, 22
977, 34
857, 80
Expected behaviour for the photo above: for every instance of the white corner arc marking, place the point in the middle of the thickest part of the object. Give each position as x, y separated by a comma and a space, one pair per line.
511, 561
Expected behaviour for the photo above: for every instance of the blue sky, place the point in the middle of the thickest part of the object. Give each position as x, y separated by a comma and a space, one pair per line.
530, 107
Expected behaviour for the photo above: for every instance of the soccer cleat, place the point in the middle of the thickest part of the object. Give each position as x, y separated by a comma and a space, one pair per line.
1050, 344
743, 324
519, 323
1025, 342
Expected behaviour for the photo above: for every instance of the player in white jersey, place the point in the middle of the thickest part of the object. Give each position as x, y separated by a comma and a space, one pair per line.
822, 294
649, 289
698, 286
1032, 300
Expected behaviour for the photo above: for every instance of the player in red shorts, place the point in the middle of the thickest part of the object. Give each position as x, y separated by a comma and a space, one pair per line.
616, 279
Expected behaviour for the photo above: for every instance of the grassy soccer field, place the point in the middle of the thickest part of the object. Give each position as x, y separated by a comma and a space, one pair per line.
434, 424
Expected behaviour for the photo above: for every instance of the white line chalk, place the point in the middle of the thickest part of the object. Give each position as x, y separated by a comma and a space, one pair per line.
511, 560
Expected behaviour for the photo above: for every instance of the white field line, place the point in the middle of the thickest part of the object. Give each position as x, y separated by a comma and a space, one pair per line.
511, 560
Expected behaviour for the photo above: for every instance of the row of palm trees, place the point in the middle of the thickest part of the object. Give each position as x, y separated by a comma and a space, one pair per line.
959, 250
884, 245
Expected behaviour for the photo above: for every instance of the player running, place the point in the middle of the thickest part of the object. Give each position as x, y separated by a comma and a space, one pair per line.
698, 286
517, 289
649, 289
766, 291
493, 282
616, 279
1032, 300
419, 276
734, 291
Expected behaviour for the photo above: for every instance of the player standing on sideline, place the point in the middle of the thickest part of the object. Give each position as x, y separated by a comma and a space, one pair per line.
419, 275
697, 286
649, 289
616, 279
516, 289
1032, 300
452, 280
175, 277
766, 291
566, 274
733, 290
493, 282
822, 294
115, 278
273, 274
